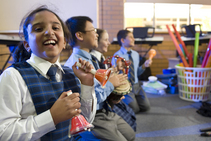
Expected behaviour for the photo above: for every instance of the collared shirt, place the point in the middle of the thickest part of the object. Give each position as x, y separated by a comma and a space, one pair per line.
98, 55
18, 118
101, 93
123, 53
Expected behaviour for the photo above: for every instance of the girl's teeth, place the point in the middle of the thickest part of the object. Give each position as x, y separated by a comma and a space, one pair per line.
50, 42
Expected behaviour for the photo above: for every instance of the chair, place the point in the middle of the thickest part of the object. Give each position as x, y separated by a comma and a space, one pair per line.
142, 32
191, 30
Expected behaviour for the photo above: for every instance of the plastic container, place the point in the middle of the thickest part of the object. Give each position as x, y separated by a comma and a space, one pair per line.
172, 89
194, 83
173, 62
169, 71
152, 78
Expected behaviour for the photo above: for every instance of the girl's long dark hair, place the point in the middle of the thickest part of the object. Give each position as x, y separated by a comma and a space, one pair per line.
21, 54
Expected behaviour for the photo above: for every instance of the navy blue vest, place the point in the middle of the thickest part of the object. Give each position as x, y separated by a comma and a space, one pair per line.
45, 92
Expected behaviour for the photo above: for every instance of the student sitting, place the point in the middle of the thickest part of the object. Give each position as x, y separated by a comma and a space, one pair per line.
33, 100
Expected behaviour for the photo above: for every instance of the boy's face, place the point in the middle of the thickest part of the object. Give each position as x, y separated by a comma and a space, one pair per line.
90, 36
129, 40
45, 36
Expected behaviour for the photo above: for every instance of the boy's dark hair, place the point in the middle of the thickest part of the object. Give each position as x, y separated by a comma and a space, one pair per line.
21, 53
114, 96
99, 32
76, 24
122, 34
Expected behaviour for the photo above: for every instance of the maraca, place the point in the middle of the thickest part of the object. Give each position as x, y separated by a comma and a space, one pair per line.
152, 53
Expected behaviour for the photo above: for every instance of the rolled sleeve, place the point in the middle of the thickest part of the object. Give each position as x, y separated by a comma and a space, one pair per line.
140, 70
87, 91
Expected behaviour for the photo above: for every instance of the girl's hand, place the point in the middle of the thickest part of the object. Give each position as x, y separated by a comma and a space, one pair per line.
83, 72
65, 107
118, 79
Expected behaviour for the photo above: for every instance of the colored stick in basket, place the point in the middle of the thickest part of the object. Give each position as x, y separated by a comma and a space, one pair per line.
182, 77
208, 63
180, 40
204, 62
196, 47
205, 75
205, 85
180, 45
190, 59
177, 47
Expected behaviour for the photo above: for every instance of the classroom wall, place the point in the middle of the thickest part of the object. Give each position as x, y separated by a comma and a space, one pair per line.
111, 16
12, 11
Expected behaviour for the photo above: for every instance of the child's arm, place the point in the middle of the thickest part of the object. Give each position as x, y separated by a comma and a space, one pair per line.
88, 96
147, 63
141, 69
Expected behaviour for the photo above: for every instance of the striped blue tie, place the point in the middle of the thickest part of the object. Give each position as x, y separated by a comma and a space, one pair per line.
131, 69
95, 62
52, 73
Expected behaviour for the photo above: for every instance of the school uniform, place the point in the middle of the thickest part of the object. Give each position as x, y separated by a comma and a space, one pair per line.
100, 58
27, 95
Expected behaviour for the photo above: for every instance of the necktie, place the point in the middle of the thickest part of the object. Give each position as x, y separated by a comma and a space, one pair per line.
131, 69
95, 63
102, 59
52, 73
102, 66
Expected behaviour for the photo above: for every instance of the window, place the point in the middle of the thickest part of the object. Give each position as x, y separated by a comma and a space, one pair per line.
177, 14
200, 14
139, 14
159, 14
